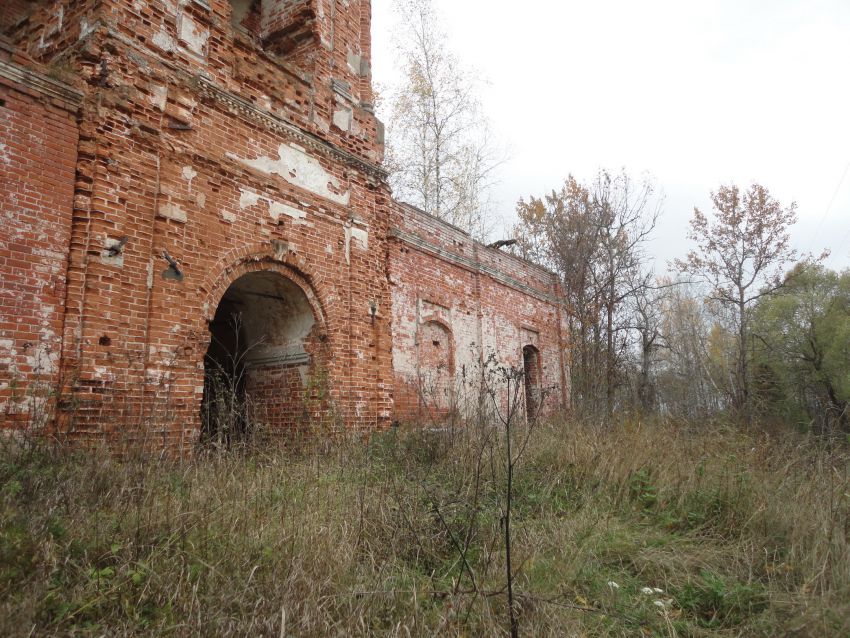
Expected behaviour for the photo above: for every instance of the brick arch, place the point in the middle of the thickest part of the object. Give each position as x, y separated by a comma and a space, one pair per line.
240, 262
272, 397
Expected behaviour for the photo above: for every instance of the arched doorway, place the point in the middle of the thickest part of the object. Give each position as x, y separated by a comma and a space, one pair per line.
531, 375
263, 346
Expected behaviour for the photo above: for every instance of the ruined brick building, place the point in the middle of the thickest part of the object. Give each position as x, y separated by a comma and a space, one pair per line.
191, 185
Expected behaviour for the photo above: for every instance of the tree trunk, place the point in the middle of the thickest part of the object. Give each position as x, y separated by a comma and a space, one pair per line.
743, 390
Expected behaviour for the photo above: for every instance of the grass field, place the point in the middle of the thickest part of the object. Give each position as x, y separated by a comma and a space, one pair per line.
628, 530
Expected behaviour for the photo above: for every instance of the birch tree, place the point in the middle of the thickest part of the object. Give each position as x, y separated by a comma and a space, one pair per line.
440, 152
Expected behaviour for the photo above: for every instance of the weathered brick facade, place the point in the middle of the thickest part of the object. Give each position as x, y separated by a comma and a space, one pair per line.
193, 186
459, 310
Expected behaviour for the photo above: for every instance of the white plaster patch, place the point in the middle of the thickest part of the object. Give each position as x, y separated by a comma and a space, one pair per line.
86, 28
51, 30
193, 36
359, 235
189, 173
342, 119
276, 209
299, 169
228, 217
172, 211
163, 40
201, 199
248, 199
4, 154
107, 257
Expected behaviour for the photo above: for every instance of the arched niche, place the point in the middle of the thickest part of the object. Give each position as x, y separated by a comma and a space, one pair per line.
435, 355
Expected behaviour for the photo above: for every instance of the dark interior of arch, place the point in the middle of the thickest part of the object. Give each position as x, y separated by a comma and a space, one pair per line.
258, 359
531, 375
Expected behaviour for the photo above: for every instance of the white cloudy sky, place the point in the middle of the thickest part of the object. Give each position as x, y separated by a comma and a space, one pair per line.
697, 93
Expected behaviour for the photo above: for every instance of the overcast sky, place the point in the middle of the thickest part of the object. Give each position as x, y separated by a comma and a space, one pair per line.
698, 94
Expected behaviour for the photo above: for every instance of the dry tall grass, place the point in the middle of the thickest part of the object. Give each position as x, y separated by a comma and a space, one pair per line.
639, 529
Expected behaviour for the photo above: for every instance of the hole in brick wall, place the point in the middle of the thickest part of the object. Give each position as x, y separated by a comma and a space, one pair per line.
104, 341
258, 359
246, 14
2, 102
436, 343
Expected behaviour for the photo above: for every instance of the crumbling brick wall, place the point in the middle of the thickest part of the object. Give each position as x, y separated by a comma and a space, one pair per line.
38, 139
195, 153
490, 304
200, 146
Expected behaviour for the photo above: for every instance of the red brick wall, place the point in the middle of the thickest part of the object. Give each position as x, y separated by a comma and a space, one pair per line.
251, 169
199, 146
493, 303
38, 141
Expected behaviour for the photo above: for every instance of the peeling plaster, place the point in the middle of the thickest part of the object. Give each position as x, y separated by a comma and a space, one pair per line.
54, 29
163, 40
299, 169
359, 235
194, 37
172, 211
342, 119
276, 209
86, 29
248, 199
109, 259
189, 173
159, 96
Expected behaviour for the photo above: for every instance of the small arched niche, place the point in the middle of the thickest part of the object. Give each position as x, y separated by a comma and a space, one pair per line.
531, 374
263, 342
436, 365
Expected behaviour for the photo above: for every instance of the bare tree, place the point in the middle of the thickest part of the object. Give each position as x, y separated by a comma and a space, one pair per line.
740, 255
440, 152
626, 215
594, 237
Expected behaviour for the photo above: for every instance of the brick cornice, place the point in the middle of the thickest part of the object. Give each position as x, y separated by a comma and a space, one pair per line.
470, 264
40, 83
246, 109
249, 111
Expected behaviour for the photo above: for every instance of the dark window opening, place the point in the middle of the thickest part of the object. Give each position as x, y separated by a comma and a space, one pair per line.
531, 376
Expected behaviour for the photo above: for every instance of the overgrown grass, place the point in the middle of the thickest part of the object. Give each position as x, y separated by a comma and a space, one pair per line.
640, 529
